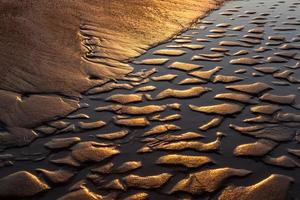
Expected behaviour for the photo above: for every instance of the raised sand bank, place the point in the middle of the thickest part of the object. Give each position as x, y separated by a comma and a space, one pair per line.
60, 47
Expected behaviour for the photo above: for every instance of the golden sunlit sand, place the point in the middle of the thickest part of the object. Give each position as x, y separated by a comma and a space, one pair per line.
145, 100
59, 48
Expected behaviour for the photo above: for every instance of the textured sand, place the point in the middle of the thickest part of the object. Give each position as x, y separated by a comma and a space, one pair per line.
60, 47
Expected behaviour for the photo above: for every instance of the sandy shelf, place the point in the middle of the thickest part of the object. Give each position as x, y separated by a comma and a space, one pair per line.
60, 47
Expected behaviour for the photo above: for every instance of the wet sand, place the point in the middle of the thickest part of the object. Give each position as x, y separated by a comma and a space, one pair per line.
219, 120
63, 48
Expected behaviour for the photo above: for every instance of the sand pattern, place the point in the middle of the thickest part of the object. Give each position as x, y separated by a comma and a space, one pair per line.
211, 114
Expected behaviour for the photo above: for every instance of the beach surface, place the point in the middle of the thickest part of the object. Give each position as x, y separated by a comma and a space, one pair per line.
59, 49
211, 113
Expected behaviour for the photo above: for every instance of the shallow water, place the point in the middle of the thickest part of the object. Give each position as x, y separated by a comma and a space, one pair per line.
223, 156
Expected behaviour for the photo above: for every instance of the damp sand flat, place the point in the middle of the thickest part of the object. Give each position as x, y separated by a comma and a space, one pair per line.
230, 132
62, 48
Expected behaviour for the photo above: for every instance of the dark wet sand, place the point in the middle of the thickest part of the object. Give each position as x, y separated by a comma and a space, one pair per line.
247, 144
